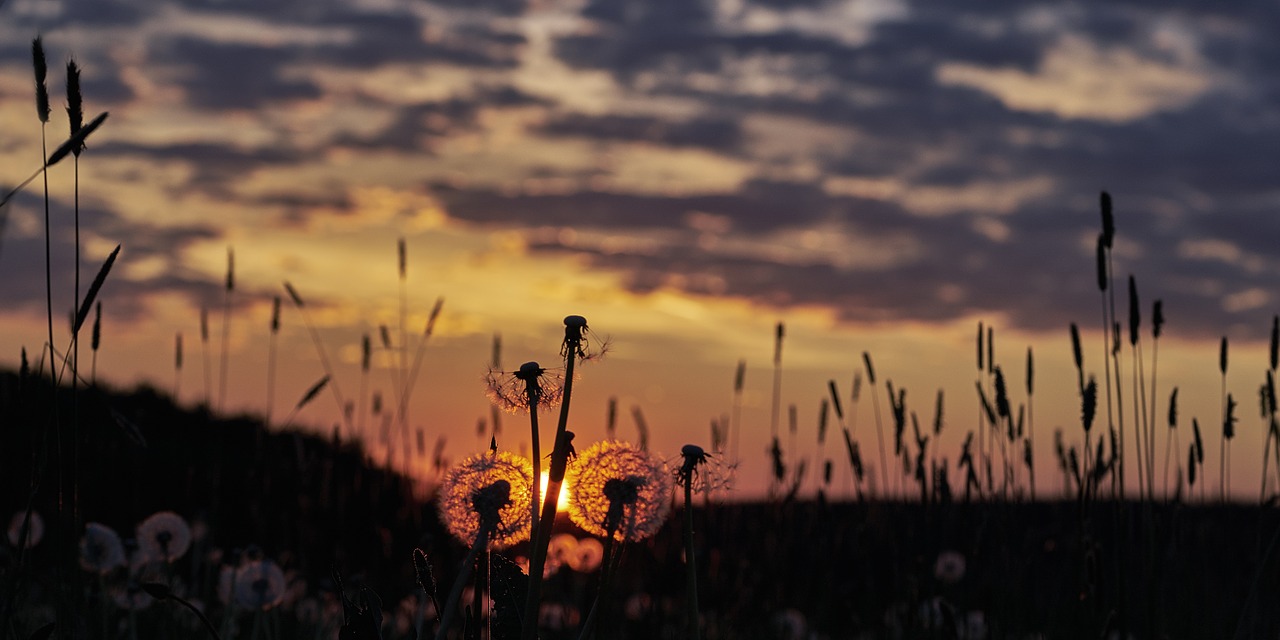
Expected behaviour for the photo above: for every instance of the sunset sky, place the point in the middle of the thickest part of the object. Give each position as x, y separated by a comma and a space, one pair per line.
879, 175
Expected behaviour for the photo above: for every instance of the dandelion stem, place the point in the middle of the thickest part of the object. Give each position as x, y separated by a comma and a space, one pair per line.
464, 572
691, 570
559, 460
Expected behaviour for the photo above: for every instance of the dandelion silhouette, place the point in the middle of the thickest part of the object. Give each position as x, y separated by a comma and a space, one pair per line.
101, 550
704, 472
469, 501
618, 490
164, 536
517, 391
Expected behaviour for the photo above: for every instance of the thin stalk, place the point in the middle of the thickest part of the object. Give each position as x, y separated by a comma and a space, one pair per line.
536, 449
455, 593
559, 460
691, 570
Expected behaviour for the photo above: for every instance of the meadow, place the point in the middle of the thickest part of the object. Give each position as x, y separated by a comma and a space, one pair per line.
133, 516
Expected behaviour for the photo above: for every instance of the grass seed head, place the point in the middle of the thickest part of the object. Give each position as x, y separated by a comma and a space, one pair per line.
41, 72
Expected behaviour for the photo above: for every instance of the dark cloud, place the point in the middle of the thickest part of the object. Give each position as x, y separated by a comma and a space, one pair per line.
232, 75
214, 167
721, 134
758, 207
22, 259
416, 126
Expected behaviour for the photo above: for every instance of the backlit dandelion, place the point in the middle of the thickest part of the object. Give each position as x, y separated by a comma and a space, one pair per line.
587, 556
164, 536
470, 497
101, 550
259, 585
515, 391
617, 488
34, 529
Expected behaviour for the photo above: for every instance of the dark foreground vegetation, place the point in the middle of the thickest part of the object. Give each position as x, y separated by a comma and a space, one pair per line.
323, 513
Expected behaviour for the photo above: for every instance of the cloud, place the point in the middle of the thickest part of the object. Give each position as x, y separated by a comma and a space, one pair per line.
1077, 80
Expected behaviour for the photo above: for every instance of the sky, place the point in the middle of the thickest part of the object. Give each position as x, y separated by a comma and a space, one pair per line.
879, 175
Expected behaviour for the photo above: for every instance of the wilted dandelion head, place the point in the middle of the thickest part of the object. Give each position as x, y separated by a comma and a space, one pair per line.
34, 529
164, 536
101, 550
617, 487
491, 488
515, 391
259, 585
949, 568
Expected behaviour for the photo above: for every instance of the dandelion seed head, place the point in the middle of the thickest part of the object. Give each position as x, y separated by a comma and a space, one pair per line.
703, 472
101, 550
587, 556
496, 485
619, 481
511, 390
259, 585
164, 536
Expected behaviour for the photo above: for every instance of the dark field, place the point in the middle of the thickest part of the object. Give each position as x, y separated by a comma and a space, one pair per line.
799, 569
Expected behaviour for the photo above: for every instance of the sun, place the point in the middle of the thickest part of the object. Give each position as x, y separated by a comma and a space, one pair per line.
562, 501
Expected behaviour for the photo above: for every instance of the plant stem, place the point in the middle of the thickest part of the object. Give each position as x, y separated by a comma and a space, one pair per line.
464, 572
691, 571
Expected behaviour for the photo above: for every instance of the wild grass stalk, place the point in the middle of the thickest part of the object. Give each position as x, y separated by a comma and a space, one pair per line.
1226, 426
320, 350
775, 411
1269, 409
1029, 456
272, 346
204, 353
1171, 440
884, 460
1106, 239
1157, 324
1139, 393
177, 366
366, 362
735, 423
411, 377
227, 291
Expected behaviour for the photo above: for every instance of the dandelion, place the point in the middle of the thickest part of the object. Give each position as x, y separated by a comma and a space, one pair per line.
704, 472
580, 341
530, 385
101, 550
469, 501
32, 528
483, 500
949, 568
164, 536
562, 549
587, 556
259, 585
527, 389
617, 490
